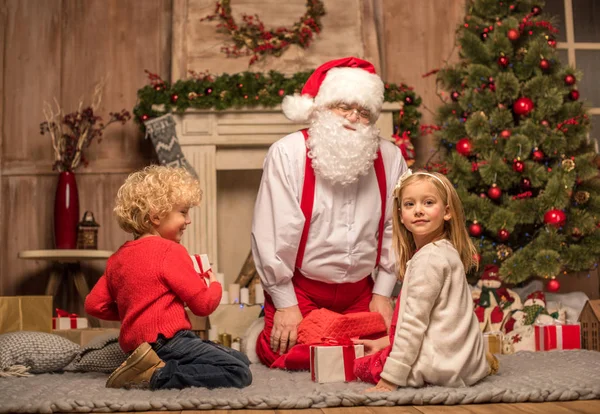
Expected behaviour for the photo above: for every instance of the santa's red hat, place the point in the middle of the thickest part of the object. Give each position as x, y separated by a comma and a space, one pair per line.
349, 80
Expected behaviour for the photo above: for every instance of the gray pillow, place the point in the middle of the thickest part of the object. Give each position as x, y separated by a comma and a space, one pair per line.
101, 354
39, 351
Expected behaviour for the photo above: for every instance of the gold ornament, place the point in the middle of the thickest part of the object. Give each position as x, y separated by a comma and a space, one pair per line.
192, 95
503, 251
568, 165
581, 197
223, 94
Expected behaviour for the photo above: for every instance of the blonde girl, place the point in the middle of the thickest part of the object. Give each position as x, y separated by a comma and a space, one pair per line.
435, 337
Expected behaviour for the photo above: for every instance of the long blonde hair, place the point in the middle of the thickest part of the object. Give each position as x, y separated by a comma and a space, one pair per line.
455, 229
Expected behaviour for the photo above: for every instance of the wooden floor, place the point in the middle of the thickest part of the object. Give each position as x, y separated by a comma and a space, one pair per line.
583, 407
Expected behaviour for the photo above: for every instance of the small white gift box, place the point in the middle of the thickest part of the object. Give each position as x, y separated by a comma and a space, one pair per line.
334, 363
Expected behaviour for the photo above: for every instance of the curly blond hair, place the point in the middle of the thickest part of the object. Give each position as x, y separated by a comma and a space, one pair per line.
454, 230
153, 190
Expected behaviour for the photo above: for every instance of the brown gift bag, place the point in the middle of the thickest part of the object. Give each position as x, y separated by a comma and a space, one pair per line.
25, 313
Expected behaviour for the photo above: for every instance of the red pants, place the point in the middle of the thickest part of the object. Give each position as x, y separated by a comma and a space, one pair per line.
338, 297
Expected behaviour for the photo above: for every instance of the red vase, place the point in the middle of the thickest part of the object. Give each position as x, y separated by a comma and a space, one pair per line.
66, 211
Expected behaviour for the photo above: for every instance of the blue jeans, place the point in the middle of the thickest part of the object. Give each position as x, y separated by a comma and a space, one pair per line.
193, 362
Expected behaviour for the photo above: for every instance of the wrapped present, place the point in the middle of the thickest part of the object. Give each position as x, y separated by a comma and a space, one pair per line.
25, 313
333, 361
493, 341
66, 320
520, 339
557, 336
84, 336
200, 324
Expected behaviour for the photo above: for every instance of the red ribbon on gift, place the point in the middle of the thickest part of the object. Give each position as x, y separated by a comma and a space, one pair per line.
202, 273
348, 353
64, 314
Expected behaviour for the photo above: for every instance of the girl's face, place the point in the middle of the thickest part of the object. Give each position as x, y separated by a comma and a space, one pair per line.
422, 212
172, 225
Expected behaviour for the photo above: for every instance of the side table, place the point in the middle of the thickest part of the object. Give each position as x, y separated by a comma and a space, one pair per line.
69, 266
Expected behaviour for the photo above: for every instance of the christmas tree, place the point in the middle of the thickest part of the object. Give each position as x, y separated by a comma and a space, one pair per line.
513, 136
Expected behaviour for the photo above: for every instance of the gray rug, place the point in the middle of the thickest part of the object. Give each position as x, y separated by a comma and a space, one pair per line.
526, 376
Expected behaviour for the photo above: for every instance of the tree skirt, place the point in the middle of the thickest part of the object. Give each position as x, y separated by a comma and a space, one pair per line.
525, 376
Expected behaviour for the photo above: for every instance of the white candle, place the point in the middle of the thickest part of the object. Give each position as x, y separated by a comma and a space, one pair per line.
245, 296
259, 294
236, 345
234, 293
224, 298
213, 334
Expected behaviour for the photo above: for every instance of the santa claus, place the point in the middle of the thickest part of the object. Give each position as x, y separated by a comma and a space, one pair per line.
322, 226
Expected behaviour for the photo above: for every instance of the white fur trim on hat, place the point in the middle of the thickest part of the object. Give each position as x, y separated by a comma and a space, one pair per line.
352, 86
297, 108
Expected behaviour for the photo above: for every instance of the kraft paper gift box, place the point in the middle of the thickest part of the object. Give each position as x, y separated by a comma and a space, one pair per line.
65, 320
25, 313
84, 336
557, 336
493, 342
200, 324
334, 363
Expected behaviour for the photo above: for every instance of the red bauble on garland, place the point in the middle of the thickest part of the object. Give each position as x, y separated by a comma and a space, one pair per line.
505, 134
455, 96
513, 34
553, 285
523, 106
475, 229
518, 166
570, 80
503, 61
555, 217
503, 235
545, 64
536, 10
525, 183
494, 192
464, 147
537, 155
574, 95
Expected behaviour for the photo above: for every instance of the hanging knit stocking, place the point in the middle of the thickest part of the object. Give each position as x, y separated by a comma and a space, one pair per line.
161, 131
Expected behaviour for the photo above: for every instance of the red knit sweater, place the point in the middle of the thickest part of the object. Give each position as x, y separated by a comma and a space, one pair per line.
145, 286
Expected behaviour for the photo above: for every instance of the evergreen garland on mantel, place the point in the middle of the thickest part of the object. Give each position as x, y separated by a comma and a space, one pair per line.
249, 90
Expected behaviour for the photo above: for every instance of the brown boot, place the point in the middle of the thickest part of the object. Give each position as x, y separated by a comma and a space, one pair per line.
137, 370
492, 362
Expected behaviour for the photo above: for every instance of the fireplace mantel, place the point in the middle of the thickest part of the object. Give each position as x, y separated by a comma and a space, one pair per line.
236, 139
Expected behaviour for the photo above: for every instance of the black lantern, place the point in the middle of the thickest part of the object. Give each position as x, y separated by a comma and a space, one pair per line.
87, 233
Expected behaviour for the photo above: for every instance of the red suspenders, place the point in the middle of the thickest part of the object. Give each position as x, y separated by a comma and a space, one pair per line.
308, 199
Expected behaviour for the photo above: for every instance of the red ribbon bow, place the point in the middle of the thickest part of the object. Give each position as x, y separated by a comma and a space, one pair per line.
202, 273
348, 353
64, 314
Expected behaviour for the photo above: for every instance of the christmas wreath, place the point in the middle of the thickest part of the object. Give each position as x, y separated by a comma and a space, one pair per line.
252, 89
251, 39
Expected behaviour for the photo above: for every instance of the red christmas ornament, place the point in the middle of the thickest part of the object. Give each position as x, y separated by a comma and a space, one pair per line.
525, 183
555, 217
483, 36
518, 166
494, 192
545, 123
208, 91
574, 95
537, 155
552, 42
553, 285
281, 92
545, 64
570, 80
523, 106
408, 100
503, 235
145, 117
464, 147
505, 134
475, 229
492, 86
174, 98
503, 61
513, 34
455, 96
536, 10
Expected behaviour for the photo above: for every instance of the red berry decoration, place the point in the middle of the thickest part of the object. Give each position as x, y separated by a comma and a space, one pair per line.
483, 36
552, 42
455, 96
494, 192
145, 117
553, 285
536, 10
503, 235
570, 80
574, 95
408, 100
537, 155
545, 64
503, 61
506, 134
464, 147
518, 166
208, 91
492, 86
281, 92
523, 106
513, 35
555, 217
545, 123
525, 184
475, 229
174, 98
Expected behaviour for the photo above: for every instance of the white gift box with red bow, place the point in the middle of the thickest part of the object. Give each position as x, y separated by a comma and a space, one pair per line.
66, 320
334, 363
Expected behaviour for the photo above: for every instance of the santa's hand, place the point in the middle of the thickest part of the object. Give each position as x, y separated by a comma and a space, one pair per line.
382, 305
285, 328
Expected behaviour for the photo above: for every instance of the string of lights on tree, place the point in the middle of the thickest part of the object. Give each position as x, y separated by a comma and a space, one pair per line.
254, 89
514, 134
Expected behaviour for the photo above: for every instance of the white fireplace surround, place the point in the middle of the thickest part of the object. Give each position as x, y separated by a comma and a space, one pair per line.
236, 139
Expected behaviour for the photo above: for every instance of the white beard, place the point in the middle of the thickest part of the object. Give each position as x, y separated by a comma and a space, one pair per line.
340, 155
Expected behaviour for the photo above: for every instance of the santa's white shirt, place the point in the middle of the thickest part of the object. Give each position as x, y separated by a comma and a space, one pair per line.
343, 235
437, 339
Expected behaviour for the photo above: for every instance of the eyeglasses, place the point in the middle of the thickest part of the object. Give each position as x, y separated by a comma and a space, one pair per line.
347, 110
